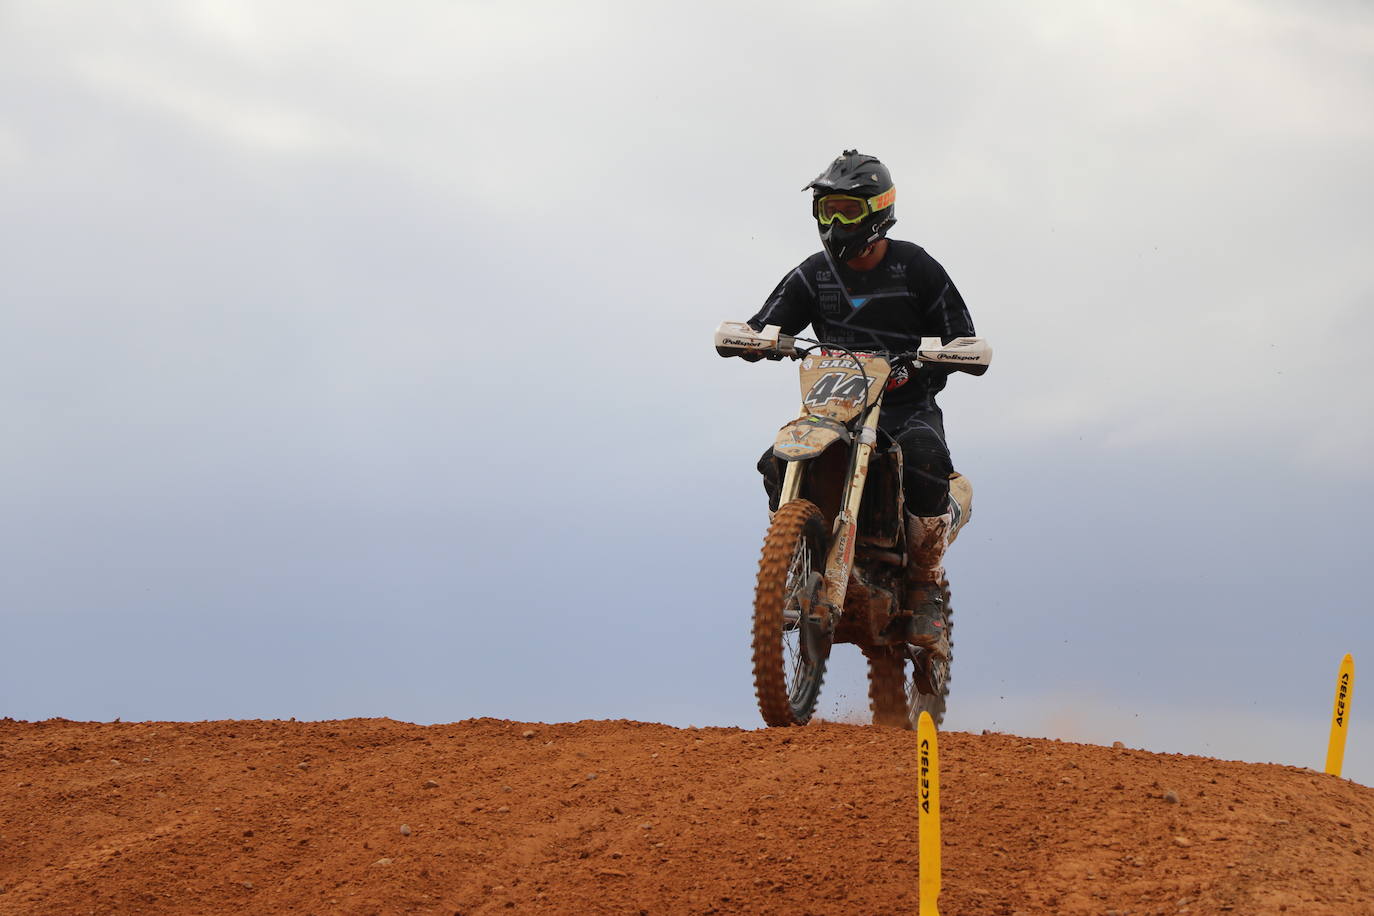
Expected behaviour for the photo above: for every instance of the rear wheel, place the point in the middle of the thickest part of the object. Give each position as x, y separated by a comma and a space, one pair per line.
886, 685
904, 681
791, 641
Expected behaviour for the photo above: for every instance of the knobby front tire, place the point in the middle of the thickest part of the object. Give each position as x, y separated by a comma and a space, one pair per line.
791, 644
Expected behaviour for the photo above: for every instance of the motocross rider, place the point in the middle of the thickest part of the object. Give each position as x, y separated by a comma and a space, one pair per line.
864, 290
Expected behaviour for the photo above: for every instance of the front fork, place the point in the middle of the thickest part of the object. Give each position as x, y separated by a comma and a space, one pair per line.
840, 559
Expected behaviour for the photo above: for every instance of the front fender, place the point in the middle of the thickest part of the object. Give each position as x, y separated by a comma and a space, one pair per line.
808, 436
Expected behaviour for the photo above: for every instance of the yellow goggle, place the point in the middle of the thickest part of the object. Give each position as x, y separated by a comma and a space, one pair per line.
849, 209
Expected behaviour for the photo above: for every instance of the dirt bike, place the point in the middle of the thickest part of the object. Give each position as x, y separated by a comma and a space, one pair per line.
835, 551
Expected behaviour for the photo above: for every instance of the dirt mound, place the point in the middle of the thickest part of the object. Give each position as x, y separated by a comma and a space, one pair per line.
376, 816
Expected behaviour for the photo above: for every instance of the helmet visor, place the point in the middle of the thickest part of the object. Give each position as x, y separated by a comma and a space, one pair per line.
849, 210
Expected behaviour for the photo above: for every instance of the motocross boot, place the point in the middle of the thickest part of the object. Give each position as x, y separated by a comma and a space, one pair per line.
926, 539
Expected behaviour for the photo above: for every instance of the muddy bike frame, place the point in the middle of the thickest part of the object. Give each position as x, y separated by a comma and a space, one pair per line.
840, 558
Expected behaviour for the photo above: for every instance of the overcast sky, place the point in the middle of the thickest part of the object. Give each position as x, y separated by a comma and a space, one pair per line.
355, 359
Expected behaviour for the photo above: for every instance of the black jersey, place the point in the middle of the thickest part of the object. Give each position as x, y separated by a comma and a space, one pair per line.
907, 296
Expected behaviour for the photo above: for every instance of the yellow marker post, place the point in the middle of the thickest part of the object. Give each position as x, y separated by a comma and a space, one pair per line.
1340, 716
928, 823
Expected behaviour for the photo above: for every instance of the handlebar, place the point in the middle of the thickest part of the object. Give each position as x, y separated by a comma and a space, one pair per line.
965, 354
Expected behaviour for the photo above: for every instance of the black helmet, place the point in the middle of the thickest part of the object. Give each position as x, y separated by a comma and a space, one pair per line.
853, 204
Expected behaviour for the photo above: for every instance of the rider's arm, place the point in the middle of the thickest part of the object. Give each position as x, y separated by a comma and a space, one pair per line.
943, 312
789, 306
945, 316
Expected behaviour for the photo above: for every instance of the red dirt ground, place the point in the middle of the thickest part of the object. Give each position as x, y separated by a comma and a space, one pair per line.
626, 817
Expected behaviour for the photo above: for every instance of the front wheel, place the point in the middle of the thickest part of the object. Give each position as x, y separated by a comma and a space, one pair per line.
904, 681
791, 638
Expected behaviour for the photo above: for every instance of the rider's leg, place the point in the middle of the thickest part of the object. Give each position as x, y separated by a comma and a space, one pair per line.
927, 537
926, 470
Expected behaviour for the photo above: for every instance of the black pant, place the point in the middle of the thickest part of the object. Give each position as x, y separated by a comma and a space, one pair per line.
919, 430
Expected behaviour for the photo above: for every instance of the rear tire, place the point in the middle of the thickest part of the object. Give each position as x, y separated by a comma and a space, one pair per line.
887, 697
904, 681
790, 645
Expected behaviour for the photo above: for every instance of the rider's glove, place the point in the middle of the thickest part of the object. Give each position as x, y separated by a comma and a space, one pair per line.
749, 356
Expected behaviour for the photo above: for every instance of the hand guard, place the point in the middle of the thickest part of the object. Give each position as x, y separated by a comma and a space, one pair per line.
735, 338
965, 354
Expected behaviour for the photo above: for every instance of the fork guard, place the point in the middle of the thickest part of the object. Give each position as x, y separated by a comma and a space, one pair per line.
808, 436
